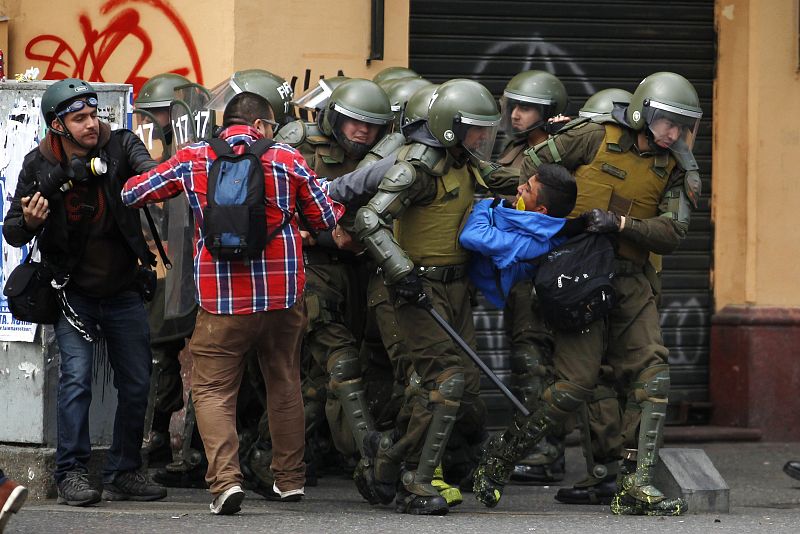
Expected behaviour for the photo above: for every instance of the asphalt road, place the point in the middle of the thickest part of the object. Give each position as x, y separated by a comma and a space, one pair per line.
763, 499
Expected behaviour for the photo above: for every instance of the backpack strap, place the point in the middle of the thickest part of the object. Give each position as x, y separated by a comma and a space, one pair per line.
220, 146
259, 147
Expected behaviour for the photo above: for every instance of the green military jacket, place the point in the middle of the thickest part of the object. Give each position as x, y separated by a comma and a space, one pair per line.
650, 187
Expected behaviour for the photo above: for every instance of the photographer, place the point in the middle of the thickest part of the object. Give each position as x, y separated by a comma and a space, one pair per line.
68, 196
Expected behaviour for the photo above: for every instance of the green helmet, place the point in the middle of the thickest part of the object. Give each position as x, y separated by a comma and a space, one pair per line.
394, 73
532, 89
316, 98
463, 112
663, 101
60, 93
275, 89
159, 91
399, 91
602, 102
416, 108
363, 101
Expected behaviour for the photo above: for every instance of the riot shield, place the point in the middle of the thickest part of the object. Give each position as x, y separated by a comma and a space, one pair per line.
179, 284
147, 128
196, 98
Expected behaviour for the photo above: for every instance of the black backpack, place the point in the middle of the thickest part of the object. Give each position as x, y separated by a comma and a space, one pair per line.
573, 283
234, 219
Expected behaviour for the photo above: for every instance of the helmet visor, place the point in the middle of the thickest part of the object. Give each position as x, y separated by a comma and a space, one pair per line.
518, 117
670, 124
477, 136
316, 98
222, 94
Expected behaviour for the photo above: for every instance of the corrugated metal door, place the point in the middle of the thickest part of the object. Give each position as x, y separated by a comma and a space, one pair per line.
591, 46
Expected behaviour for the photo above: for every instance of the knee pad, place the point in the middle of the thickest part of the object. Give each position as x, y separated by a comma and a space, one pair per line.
566, 397
344, 366
449, 387
652, 383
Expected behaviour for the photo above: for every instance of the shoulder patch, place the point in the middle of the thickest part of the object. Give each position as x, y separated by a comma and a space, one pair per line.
292, 134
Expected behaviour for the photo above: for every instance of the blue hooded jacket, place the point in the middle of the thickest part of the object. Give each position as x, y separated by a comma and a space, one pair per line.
503, 241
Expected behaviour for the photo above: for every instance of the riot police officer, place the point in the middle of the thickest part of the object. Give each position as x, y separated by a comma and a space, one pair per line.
430, 187
630, 184
530, 101
354, 121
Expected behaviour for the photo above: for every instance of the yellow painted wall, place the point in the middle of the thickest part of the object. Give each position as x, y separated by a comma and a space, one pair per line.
756, 156
206, 40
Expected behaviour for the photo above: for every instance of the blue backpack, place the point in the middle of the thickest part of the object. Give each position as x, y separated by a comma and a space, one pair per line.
235, 219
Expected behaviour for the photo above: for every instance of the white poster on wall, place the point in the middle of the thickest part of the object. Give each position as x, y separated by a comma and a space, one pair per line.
20, 131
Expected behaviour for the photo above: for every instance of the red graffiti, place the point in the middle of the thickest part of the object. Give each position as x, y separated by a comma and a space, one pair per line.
102, 47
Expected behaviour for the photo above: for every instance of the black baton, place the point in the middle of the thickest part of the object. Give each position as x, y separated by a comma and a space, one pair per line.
475, 358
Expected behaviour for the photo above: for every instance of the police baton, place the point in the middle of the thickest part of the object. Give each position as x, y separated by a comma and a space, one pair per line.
426, 303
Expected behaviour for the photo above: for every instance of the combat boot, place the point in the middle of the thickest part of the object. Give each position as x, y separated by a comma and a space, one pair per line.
156, 449
636, 494
376, 475
418, 497
545, 466
590, 491
450, 493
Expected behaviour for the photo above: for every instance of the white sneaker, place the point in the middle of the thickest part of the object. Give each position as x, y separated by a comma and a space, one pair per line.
228, 502
287, 496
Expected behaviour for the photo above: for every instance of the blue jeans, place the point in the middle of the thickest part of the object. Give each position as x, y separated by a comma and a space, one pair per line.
2, 478
122, 322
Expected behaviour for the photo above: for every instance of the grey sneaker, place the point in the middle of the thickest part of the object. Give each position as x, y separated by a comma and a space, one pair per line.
228, 502
75, 490
133, 486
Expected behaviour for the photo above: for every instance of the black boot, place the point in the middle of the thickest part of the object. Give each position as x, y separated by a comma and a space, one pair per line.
600, 493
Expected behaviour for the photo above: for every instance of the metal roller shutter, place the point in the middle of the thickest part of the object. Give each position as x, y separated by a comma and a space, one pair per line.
591, 46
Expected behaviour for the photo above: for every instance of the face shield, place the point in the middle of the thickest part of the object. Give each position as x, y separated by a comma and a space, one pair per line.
221, 94
671, 126
314, 99
356, 132
521, 114
477, 136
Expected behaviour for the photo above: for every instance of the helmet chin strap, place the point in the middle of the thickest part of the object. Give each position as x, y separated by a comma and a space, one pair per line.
67, 134
519, 134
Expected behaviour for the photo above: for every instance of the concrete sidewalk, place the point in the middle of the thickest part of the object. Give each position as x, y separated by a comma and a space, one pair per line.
763, 499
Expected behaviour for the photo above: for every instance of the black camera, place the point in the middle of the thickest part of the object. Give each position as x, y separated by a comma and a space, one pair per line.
78, 170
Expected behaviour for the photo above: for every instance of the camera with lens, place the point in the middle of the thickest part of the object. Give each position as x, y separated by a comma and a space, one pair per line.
145, 283
63, 178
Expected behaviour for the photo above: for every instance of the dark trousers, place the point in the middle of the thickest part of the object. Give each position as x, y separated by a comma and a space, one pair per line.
122, 323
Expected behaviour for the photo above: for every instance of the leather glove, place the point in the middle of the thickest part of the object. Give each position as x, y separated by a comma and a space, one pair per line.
601, 221
410, 288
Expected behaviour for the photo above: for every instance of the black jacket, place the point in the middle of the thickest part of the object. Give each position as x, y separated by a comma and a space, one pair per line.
61, 245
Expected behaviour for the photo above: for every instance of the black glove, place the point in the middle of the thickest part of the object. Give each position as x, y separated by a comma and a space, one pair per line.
601, 221
410, 288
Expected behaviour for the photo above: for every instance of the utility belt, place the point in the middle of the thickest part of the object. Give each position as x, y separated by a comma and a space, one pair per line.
444, 274
326, 256
625, 267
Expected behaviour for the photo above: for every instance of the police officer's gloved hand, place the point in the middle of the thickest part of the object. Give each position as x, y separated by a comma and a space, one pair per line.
601, 221
410, 288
